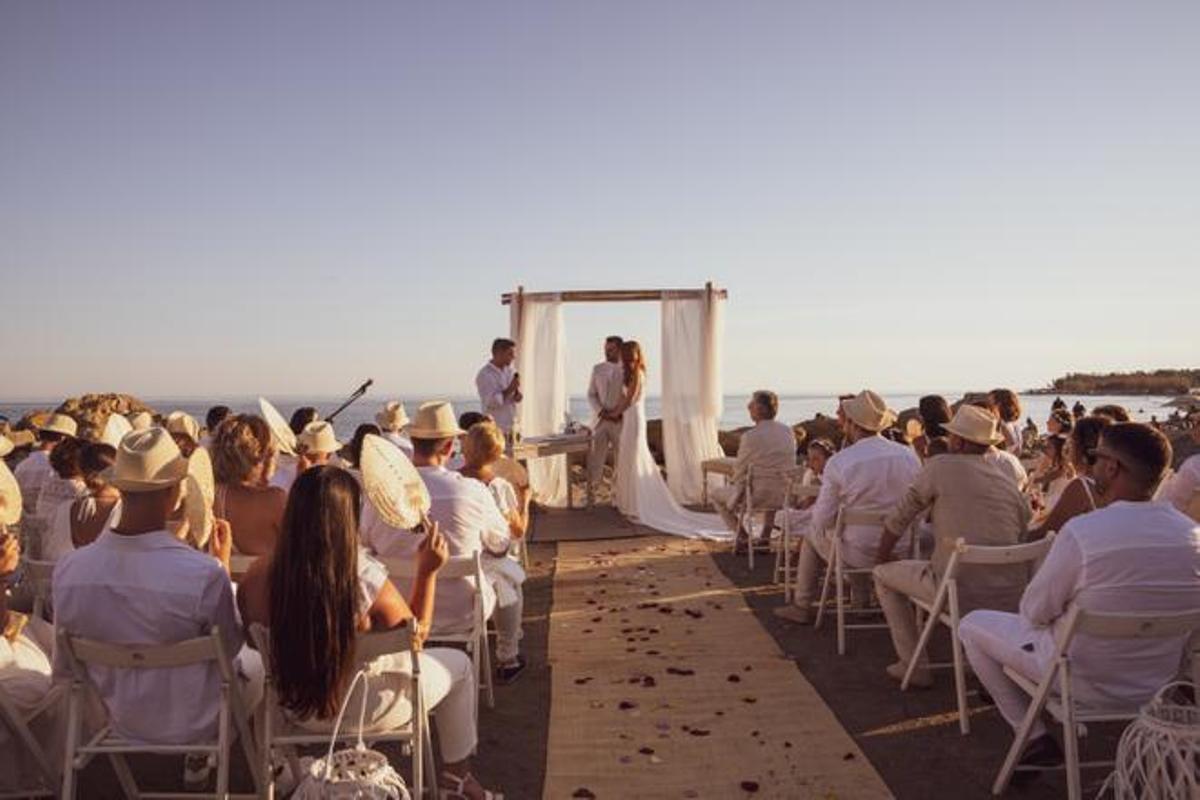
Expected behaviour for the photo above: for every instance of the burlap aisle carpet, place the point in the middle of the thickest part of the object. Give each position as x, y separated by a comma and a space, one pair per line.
665, 685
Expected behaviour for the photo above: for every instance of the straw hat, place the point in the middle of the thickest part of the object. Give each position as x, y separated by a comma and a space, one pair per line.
281, 432
974, 424
21, 438
435, 420
393, 417
61, 423
10, 497
147, 461
6, 446
868, 410
392, 484
318, 437
141, 420
115, 430
199, 492
182, 422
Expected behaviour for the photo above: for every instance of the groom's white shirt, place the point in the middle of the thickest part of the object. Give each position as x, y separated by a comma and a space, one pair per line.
605, 388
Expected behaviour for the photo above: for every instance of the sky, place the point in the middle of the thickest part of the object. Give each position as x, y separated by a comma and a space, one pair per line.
222, 198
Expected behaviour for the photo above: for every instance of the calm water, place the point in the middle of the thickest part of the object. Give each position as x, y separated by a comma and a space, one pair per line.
792, 408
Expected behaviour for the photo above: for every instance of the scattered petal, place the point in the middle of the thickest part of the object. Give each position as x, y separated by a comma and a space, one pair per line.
584, 794
734, 678
625, 705
750, 786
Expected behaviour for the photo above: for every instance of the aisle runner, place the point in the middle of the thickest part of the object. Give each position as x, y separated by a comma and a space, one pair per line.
665, 685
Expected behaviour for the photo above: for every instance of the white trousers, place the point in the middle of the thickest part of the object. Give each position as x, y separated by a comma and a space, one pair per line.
606, 435
508, 628
726, 501
993, 640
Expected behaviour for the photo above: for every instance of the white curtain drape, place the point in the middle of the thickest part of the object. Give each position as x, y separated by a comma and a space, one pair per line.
537, 327
691, 389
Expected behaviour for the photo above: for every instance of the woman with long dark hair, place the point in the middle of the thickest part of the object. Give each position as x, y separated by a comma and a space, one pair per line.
319, 588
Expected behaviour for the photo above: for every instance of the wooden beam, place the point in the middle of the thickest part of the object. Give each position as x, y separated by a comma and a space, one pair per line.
616, 295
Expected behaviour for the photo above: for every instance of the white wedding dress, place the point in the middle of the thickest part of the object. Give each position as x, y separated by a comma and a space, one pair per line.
642, 494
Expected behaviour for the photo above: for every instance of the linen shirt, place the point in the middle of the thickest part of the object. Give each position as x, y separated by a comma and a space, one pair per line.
56, 491
490, 383
870, 475
400, 441
973, 499
606, 388
149, 589
1135, 557
1010, 464
1183, 485
31, 473
769, 445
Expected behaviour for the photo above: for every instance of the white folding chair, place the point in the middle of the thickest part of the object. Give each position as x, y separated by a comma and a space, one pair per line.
474, 638
836, 574
82, 653
794, 491
1062, 707
38, 576
19, 727
278, 732
944, 610
759, 482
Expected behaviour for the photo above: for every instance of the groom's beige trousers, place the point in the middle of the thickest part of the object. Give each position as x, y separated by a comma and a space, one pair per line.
606, 434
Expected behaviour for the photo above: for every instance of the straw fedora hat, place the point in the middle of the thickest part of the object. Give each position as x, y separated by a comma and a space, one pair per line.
61, 423
975, 424
392, 417
147, 461
6, 446
868, 410
434, 420
10, 496
115, 429
182, 422
318, 437
141, 420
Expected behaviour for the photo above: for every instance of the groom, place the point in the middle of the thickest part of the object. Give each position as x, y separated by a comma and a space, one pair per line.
604, 395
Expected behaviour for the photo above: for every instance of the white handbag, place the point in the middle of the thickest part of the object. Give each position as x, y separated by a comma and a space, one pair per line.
356, 773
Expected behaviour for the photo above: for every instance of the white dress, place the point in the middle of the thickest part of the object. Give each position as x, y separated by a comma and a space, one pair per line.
642, 494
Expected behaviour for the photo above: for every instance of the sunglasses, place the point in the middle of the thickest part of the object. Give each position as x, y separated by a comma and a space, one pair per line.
1097, 453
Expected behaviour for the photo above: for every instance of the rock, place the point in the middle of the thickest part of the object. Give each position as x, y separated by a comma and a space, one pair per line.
90, 411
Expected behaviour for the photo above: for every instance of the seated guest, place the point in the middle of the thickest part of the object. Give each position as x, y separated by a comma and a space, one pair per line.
33, 472
970, 499
1078, 496
137, 583
185, 430
301, 418
212, 420
868, 474
287, 465
1182, 488
934, 412
1079, 410
78, 523
1051, 476
768, 447
1131, 555
471, 522
65, 482
243, 456
320, 574
1007, 406
392, 420
466, 421
316, 445
817, 456
1060, 422
1005, 460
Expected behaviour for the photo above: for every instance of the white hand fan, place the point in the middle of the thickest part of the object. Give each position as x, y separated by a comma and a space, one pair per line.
10, 495
200, 491
285, 439
392, 483
115, 429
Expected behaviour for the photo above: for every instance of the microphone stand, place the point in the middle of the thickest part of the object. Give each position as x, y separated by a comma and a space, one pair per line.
359, 392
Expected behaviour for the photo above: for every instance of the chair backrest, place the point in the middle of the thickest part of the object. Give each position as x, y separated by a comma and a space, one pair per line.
1009, 554
760, 480
83, 652
456, 567
1130, 625
849, 516
368, 646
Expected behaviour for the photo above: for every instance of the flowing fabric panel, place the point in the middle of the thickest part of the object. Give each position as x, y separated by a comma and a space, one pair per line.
537, 327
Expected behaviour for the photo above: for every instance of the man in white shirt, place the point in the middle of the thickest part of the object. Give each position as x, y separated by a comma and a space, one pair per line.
769, 449
468, 517
605, 391
1182, 489
137, 583
33, 473
868, 474
1131, 555
499, 385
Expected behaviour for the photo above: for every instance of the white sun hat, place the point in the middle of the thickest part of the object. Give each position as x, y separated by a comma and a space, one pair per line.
868, 410
147, 461
185, 423
61, 423
115, 430
392, 417
318, 437
434, 420
975, 424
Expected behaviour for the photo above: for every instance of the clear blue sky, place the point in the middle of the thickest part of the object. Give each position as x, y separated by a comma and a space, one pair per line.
285, 198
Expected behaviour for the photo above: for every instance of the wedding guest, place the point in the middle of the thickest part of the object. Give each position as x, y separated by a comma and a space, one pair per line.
605, 392
243, 456
1132, 555
185, 430
466, 421
869, 474
767, 448
78, 523
1079, 495
65, 482
817, 456
301, 418
320, 574
137, 583
354, 451
1079, 410
1060, 422
212, 420
1183, 488
316, 445
35, 469
392, 420
969, 500
934, 412
499, 385
1008, 407
1004, 459
1051, 476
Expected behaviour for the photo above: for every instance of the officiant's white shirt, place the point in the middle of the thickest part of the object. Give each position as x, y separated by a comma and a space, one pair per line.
606, 387
491, 383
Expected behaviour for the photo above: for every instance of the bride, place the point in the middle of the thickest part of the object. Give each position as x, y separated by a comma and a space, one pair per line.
641, 493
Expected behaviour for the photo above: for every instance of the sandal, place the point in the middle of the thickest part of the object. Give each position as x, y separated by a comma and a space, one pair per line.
458, 790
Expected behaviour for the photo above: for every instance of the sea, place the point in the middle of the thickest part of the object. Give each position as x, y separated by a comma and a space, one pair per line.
793, 408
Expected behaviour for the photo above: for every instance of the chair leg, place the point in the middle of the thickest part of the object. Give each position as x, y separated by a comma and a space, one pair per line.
825, 585
1070, 733
749, 527
486, 658
223, 746
124, 775
1037, 703
841, 600
74, 721
922, 643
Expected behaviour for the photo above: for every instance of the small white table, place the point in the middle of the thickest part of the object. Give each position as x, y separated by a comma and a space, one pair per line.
557, 444
718, 466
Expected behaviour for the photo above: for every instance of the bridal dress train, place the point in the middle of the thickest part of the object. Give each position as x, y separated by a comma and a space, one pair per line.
642, 494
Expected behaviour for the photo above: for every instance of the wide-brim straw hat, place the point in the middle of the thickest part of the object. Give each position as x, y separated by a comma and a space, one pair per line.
199, 493
115, 429
61, 423
185, 423
10, 497
142, 420
281, 432
392, 417
147, 461
434, 420
868, 410
392, 484
22, 438
975, 424
6, 446
318, 437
